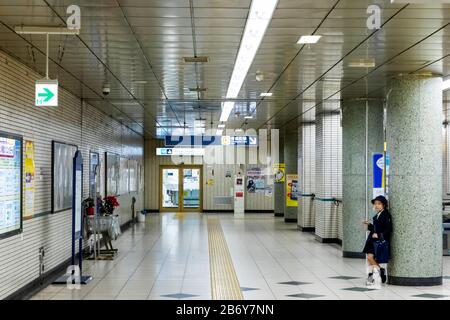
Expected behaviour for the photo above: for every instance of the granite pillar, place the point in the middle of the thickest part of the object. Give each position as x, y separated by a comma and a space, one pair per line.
414, 125
362, 123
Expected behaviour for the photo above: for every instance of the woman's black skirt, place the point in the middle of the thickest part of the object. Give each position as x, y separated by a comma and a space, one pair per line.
368, 248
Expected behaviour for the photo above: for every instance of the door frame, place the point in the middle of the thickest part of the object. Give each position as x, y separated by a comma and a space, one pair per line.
180, 207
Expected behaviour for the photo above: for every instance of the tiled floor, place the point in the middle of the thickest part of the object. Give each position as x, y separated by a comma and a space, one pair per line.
168, 258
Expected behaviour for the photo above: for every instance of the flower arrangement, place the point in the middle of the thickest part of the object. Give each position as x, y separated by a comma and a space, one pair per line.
109, 204
89, 205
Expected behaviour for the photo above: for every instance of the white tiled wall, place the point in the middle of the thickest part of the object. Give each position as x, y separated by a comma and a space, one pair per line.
328, 175
71, 122
307, 168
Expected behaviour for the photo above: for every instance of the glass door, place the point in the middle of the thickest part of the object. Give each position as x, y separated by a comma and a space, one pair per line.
170, 196
181, 188
191, 189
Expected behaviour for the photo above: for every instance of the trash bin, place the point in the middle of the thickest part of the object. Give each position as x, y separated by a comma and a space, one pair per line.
141, 216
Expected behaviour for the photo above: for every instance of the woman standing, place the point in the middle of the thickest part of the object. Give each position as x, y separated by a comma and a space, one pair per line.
380, 228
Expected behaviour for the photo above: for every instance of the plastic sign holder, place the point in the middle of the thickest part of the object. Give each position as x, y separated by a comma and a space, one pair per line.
77, 225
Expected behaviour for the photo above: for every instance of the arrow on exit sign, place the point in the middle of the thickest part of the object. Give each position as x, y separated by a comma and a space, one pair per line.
46, 93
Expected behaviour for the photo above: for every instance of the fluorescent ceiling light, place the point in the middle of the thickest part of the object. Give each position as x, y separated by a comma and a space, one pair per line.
266, 94
248, 117
446, 85
221, 126
258, 20
139, 81
227, 107
308, 39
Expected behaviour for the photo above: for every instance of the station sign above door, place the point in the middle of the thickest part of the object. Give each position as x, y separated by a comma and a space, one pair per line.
46, 93
171, 141
180, 152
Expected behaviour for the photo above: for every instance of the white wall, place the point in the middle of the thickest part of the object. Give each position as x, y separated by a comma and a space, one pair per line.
71, 122
221, 187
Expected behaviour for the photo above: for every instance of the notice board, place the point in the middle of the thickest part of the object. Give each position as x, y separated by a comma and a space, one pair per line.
62, 175
10, 185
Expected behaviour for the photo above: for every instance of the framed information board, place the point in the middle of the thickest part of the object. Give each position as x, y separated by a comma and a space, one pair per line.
112, 177
133, 172
10, 184
62, 175
124, 176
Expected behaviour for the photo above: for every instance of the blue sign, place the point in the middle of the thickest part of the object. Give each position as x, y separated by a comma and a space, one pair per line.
378, 166
172, 141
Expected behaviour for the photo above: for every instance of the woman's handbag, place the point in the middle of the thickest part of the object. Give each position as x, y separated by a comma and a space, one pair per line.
381, 249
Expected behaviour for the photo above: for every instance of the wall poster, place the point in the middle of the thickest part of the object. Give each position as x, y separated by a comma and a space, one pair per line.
112, 167
291, 190
279, 171
30, 169
255, 180
10, 185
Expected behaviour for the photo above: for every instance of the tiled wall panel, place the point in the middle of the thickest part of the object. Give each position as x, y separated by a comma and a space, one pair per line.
72, 122
307, 169
328, 175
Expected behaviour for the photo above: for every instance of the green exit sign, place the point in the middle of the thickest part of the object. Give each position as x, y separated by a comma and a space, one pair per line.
46, 93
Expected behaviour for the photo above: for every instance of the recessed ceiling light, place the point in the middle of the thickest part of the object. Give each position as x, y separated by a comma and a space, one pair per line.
248, 117
266, 94
308, 39
221, 126
257, 22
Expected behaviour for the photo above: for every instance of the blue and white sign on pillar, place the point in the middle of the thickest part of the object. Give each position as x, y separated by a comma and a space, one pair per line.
379, 174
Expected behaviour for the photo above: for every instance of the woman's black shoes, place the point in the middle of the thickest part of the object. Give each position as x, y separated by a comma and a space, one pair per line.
383, 275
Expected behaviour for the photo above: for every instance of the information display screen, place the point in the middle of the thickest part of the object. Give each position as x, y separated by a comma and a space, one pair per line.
10, 185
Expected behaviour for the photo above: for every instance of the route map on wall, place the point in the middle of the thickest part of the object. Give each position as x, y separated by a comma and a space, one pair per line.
10, 185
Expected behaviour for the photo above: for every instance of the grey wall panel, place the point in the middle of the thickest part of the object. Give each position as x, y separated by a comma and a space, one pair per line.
72, 122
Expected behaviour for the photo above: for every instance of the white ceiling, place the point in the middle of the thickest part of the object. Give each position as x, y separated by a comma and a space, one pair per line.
123, 41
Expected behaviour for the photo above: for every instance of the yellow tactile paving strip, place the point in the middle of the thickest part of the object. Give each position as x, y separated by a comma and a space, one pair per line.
224, 282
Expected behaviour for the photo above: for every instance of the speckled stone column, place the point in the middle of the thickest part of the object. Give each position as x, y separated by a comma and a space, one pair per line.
355, 194
414, 125
278, 189
291, 161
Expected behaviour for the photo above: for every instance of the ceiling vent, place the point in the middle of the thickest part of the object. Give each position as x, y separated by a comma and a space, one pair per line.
199, 59
198, 89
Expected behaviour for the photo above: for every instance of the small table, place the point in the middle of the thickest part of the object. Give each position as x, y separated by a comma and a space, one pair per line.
109, 227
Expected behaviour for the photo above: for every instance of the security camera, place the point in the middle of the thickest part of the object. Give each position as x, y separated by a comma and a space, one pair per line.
259, 75
106, 89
